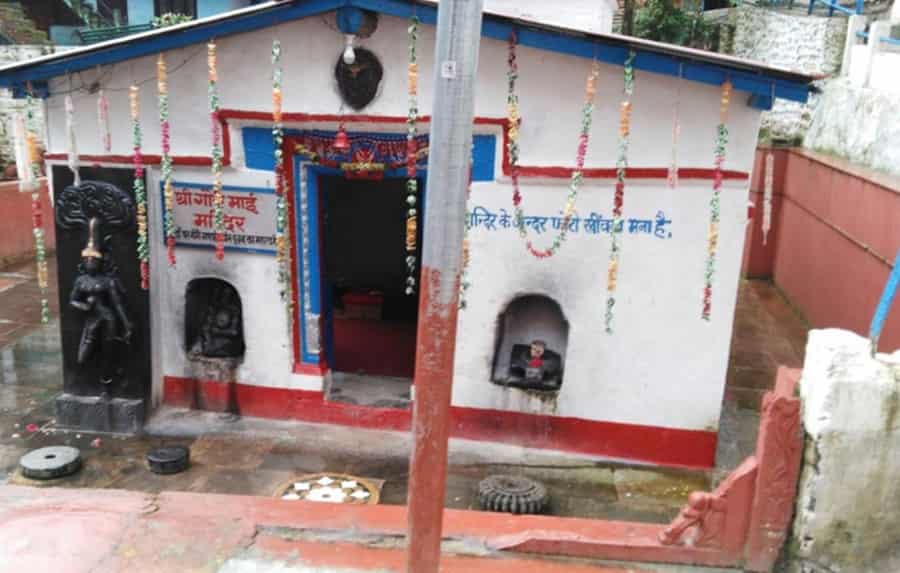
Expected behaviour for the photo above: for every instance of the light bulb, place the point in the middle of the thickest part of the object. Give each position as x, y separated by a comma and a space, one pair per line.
349, 54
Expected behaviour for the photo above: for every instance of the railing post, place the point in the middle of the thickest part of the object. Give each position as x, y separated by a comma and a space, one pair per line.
877, 31
854, 25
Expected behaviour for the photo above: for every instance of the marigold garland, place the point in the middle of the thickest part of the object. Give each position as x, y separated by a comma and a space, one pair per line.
715, 201
140, 191
72, 148
464, 282
512, 146
165, 162
216, 152
281, 243
32, 167
412, 185
612, 271
103, 122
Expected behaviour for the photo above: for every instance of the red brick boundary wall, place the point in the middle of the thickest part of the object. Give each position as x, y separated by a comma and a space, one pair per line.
833, 239
16, 236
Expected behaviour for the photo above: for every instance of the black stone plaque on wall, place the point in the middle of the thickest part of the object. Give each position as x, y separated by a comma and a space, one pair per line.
104, 313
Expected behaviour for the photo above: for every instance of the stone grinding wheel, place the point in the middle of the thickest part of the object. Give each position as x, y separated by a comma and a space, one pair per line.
169, 459
512, 494
51, 462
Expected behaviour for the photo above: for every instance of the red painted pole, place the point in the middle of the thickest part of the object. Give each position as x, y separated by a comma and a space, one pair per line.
450, 142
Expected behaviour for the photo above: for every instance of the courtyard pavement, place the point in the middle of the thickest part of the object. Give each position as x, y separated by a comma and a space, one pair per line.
252, 457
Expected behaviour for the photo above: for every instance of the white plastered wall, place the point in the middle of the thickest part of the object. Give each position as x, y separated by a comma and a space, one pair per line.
664, 366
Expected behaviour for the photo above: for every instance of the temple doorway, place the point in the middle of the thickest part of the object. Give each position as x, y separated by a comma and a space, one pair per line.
370, 321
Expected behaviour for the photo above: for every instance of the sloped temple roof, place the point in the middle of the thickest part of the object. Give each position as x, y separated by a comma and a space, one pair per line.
763, 83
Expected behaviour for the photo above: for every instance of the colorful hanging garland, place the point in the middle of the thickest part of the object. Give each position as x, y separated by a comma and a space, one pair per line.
165, 162
672, 178
72, 148
715, 201
281, 243
464, 282
31, 167
412, 185
216, 153
512, 146
140, 191
612, 271
768, 190
103, 122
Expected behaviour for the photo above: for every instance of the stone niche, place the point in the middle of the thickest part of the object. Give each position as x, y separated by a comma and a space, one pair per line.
214, 339
530, 352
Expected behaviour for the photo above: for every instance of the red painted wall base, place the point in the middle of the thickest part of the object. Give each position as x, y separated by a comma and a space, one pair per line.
662, 446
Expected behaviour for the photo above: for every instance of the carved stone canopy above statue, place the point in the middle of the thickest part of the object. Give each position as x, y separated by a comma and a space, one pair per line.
112, 207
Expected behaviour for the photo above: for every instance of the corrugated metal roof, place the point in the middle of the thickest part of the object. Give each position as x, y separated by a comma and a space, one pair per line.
754, 77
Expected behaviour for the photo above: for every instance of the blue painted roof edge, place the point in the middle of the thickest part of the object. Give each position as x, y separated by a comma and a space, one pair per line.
764, 82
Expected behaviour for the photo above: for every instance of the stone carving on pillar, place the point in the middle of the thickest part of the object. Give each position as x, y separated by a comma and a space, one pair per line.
717, 520
779, 451
700, 522
103, 325
221, 333
99, 294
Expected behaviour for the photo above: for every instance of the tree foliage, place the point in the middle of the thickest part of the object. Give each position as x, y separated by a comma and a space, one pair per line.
663, 21
170, 19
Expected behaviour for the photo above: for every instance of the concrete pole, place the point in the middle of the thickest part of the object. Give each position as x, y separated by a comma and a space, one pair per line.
855, 23
450, 142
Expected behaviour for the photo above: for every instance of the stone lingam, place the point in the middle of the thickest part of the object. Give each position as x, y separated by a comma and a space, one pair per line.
534, 367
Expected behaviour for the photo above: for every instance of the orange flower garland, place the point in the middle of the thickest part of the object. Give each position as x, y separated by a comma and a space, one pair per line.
715, 201
218, 198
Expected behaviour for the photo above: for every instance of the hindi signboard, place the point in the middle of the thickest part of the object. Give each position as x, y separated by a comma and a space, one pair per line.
249, 217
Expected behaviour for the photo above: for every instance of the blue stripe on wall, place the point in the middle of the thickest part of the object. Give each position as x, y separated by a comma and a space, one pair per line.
484, 155
259, 149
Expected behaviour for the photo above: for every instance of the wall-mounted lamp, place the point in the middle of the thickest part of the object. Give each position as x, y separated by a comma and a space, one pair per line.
349, 54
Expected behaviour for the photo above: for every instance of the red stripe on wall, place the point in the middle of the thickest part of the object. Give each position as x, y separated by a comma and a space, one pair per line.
552, 172
630, 172
663, 446
148, 159
238, 114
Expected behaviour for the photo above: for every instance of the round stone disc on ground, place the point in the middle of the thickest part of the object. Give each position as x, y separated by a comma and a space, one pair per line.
51, 462
169, 459
512, 494
331, 488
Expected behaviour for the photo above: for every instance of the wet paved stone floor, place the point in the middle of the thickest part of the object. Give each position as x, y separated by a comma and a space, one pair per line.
256, 457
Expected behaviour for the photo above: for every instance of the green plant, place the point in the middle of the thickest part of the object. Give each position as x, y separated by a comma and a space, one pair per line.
170, 19
662, 21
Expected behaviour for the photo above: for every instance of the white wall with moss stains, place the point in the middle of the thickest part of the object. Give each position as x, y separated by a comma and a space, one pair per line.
848, 503
859, 124
808, 44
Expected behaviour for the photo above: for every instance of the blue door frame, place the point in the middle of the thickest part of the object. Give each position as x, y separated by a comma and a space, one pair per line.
319, 305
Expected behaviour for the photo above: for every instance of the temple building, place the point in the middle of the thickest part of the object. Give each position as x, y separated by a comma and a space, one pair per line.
277, 223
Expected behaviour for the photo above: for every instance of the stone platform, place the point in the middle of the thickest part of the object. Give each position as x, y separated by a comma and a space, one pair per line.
105, 531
